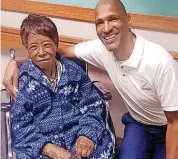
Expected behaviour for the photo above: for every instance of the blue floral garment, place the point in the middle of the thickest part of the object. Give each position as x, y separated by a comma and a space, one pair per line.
43, 115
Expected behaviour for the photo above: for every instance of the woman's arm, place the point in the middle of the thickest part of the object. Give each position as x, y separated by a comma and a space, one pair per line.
26, 137
56, 152
91, 123
28, 141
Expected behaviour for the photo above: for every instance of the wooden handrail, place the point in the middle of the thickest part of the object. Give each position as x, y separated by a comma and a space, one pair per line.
152, 22
10, 37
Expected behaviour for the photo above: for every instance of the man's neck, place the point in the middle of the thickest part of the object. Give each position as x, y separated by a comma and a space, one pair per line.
123, 53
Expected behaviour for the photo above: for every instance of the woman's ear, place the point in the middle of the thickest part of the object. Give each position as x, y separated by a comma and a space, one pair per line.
129, 21
57, 49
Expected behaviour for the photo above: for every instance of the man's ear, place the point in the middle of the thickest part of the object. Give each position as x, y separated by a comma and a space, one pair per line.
129, 20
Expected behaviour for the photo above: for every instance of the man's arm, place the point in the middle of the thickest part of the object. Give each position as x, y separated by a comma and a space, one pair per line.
172, 135
21, 59
167, 90
67, 51
88, 51
10, 80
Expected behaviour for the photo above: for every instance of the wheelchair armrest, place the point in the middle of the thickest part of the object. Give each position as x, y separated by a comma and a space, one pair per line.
105, 95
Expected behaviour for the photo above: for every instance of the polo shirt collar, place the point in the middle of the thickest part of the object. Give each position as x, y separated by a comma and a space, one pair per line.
137, 53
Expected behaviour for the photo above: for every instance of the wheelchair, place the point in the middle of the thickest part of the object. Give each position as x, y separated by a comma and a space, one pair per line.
6, 150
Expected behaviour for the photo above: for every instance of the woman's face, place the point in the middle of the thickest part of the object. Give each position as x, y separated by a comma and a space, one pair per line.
41, 50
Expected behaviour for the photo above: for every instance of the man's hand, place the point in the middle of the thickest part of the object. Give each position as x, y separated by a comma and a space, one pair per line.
84, 147
10, 80
56, 152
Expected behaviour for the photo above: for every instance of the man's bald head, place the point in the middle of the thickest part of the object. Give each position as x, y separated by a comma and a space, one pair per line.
116, 3
112, 24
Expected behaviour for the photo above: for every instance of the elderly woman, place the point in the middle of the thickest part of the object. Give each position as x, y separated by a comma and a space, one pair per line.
57, 113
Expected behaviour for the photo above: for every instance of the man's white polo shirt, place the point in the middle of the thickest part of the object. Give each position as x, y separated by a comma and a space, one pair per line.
147, 81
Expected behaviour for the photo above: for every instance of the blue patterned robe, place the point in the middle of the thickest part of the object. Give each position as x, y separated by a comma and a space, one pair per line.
43, 115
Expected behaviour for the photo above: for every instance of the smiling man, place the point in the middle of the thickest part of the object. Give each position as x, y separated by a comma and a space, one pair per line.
145, 75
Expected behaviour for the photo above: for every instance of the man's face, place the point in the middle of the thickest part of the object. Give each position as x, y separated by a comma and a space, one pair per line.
111, 25
41, 50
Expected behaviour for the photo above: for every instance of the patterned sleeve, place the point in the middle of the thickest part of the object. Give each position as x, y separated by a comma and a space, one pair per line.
26, 138
92, 109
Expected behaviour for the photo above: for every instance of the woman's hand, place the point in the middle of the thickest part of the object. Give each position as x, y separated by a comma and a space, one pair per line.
84, 147
10, 80
56, 152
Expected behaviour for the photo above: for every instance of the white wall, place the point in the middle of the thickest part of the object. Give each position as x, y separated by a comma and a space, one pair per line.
87, 30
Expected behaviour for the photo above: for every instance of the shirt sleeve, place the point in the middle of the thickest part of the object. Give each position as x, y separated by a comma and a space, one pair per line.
91, 52
27, 141
167, 86
93, 110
